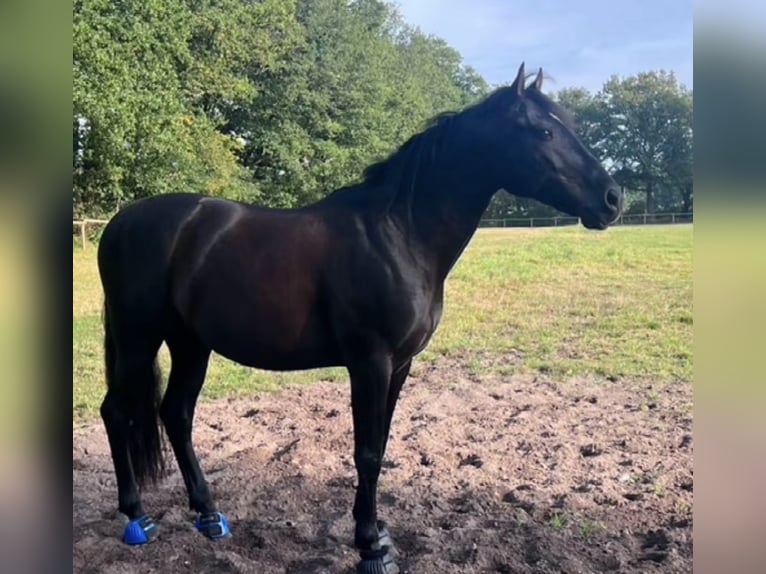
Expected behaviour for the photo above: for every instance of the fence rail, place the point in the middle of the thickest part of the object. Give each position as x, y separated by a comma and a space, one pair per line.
630, 219
83, 224
560, 221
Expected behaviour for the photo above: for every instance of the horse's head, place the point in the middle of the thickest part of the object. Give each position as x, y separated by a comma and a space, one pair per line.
530, 148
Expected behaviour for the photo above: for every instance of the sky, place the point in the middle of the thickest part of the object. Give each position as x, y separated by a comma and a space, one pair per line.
578, 43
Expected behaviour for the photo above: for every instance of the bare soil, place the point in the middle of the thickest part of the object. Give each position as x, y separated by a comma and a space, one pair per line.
483, 473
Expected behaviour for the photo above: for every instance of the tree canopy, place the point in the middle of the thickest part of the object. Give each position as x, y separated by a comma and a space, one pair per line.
642, 127
279, 102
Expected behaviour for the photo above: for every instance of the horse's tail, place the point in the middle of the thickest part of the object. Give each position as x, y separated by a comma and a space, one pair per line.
141, 406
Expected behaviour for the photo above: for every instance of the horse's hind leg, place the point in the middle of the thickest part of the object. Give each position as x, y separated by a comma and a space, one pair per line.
128, 412
117, 424
187, 375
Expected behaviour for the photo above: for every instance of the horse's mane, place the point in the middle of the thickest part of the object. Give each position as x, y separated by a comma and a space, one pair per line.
394, 176
426, 140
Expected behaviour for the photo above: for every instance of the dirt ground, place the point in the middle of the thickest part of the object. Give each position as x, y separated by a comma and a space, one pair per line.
483, 473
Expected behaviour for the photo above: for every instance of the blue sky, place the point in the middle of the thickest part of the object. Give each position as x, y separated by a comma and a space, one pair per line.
577, 42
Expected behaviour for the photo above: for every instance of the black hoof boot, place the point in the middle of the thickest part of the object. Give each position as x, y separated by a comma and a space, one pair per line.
213, 525
377, 562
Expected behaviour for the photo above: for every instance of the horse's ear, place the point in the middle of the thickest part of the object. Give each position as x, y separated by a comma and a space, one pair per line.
538, 83
518, 83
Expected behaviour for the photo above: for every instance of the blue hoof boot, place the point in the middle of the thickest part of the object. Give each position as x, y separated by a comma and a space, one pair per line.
140, 530
213, 525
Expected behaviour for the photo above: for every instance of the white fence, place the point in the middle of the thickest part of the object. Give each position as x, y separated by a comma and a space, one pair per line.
82, 226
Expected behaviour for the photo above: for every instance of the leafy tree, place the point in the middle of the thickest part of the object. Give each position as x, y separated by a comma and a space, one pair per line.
589, 115
678, 158
323, 117
153, 83
646, 133
281, 101
641, 128
322, 111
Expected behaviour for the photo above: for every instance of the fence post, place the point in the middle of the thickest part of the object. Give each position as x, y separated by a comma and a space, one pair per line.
644, 218
82, 233
673, 217
531, 220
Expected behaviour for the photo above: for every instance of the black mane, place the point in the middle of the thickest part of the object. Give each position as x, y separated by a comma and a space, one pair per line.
395, 176
388, 179
426, 140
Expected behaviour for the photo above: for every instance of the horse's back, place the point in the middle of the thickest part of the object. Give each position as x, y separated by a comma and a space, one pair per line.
156, 216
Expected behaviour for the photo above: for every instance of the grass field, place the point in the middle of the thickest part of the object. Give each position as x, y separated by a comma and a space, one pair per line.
564, 301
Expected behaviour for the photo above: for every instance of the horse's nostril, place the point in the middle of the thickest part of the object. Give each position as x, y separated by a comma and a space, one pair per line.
613, 198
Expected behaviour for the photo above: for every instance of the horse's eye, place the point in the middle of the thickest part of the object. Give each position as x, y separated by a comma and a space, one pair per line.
547, 134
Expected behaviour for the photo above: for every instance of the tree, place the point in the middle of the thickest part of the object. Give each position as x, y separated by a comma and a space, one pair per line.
277, 101
154, 83
323, 117
641, 129
589, 115
646, 133
678, 157
280, 102
322, 114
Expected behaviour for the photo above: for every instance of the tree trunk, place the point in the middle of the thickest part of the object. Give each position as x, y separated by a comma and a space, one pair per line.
651, 206
686, 197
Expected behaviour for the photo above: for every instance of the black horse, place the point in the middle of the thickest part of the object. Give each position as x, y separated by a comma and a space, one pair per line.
354, 280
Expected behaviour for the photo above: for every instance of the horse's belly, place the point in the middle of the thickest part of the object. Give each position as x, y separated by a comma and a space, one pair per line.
268, 359
268, 341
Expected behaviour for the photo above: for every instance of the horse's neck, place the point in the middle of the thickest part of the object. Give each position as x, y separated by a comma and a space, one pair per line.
444, 214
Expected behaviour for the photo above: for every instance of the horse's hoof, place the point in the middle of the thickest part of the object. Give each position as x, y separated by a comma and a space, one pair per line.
213, 525
140, 530
383, 563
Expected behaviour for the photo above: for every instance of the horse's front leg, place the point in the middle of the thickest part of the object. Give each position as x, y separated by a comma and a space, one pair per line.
370, 380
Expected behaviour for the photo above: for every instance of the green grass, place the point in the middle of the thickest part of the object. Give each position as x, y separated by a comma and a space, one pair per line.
575, 302
563, 301
590, 527
558, 520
